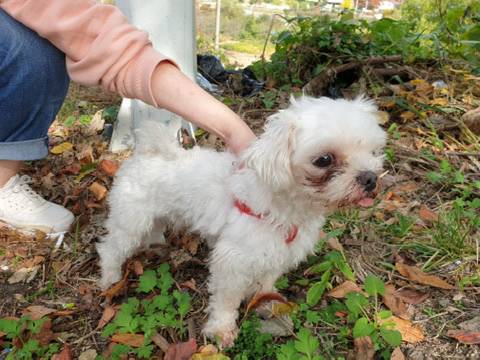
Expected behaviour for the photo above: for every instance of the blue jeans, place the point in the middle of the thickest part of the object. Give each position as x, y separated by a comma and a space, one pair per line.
33, 86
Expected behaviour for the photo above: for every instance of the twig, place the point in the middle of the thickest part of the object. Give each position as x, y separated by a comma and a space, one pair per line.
318, 83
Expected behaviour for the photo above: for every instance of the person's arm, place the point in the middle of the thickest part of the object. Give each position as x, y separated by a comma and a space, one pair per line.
189, 100
103, 48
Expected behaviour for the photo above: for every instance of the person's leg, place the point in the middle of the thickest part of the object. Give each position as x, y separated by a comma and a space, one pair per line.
33, 85
8, 168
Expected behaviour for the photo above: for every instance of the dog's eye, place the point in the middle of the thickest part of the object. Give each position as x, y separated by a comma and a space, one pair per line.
323, 161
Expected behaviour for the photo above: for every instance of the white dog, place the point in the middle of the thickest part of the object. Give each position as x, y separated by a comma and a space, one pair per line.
261, 213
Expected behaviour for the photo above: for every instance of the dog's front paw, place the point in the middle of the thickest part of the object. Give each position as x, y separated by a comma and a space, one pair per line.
226, 332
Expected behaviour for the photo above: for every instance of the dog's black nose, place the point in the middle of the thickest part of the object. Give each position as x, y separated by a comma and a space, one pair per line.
368, 179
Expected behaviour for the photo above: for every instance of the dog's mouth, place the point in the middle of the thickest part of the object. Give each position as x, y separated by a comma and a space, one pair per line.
366, 201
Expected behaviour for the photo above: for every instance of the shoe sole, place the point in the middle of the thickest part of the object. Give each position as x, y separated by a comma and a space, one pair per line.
32, 228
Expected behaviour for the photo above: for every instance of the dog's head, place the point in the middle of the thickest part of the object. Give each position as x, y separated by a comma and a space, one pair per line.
331, 150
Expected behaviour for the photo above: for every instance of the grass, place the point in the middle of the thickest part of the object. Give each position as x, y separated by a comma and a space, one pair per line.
249, 46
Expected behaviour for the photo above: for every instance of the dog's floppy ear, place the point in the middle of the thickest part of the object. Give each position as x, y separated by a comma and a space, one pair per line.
270, 154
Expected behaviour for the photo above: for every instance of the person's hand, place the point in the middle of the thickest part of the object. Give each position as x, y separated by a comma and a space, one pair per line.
177, 93
237, 142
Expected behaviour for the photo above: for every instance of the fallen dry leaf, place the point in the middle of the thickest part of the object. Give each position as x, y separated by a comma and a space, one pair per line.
36, 312
98, 190
107, 315
190, 243
411, 296
137, 268
258, 299
160, 341
407, 116
280, 309
427, 215
190, 284
181, 351
343, 289
134, 340
465, 337
394, 303
439, 102
410, 333
86, 292
397, 354
72, 169
117, 288
209, 352
415, 274
109, 167
45, 335
85, 154
334, 244
382, 117
37, 260
364, 349
23, 275
65, 354
61, 148
90, 354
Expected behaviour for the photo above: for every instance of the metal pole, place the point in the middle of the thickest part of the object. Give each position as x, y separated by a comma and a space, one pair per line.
217, 26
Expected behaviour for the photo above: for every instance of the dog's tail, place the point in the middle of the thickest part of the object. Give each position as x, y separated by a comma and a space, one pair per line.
154, 137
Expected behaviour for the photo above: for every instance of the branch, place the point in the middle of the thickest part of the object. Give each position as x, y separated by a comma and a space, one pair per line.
317, 84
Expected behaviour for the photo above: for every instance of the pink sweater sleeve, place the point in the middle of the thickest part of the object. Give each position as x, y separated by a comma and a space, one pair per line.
101, 47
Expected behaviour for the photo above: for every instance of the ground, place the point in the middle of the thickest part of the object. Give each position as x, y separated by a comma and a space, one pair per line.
425, 219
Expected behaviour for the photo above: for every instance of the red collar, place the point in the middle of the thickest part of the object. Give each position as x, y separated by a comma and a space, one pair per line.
245, 209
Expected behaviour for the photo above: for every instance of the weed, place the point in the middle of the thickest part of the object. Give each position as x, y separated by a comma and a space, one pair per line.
333, 260
251, 344
21, 342
165, 310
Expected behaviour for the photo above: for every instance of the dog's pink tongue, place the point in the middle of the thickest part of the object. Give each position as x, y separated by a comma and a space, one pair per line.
365, 202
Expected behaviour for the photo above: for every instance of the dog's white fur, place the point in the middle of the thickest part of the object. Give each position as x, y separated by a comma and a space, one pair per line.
163, 184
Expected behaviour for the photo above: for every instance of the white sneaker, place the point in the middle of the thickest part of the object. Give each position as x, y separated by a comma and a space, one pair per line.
23, 208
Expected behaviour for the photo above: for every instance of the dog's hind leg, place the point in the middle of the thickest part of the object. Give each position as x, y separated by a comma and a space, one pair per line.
125, 237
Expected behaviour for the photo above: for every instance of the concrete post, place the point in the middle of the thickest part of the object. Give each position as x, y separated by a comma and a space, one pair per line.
171, 25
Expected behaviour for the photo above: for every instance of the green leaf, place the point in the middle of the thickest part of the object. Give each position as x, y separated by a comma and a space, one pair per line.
281, 283
445, 167
165, 282
384, 314
145, 352
345, 270
85, 119
9, 327
315, 293
183, 302
391, 337
287, 352
313, 317
355, 302
161, 301
374, 286
320, 268
69, 121
306, 344
363, 327
148, 281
